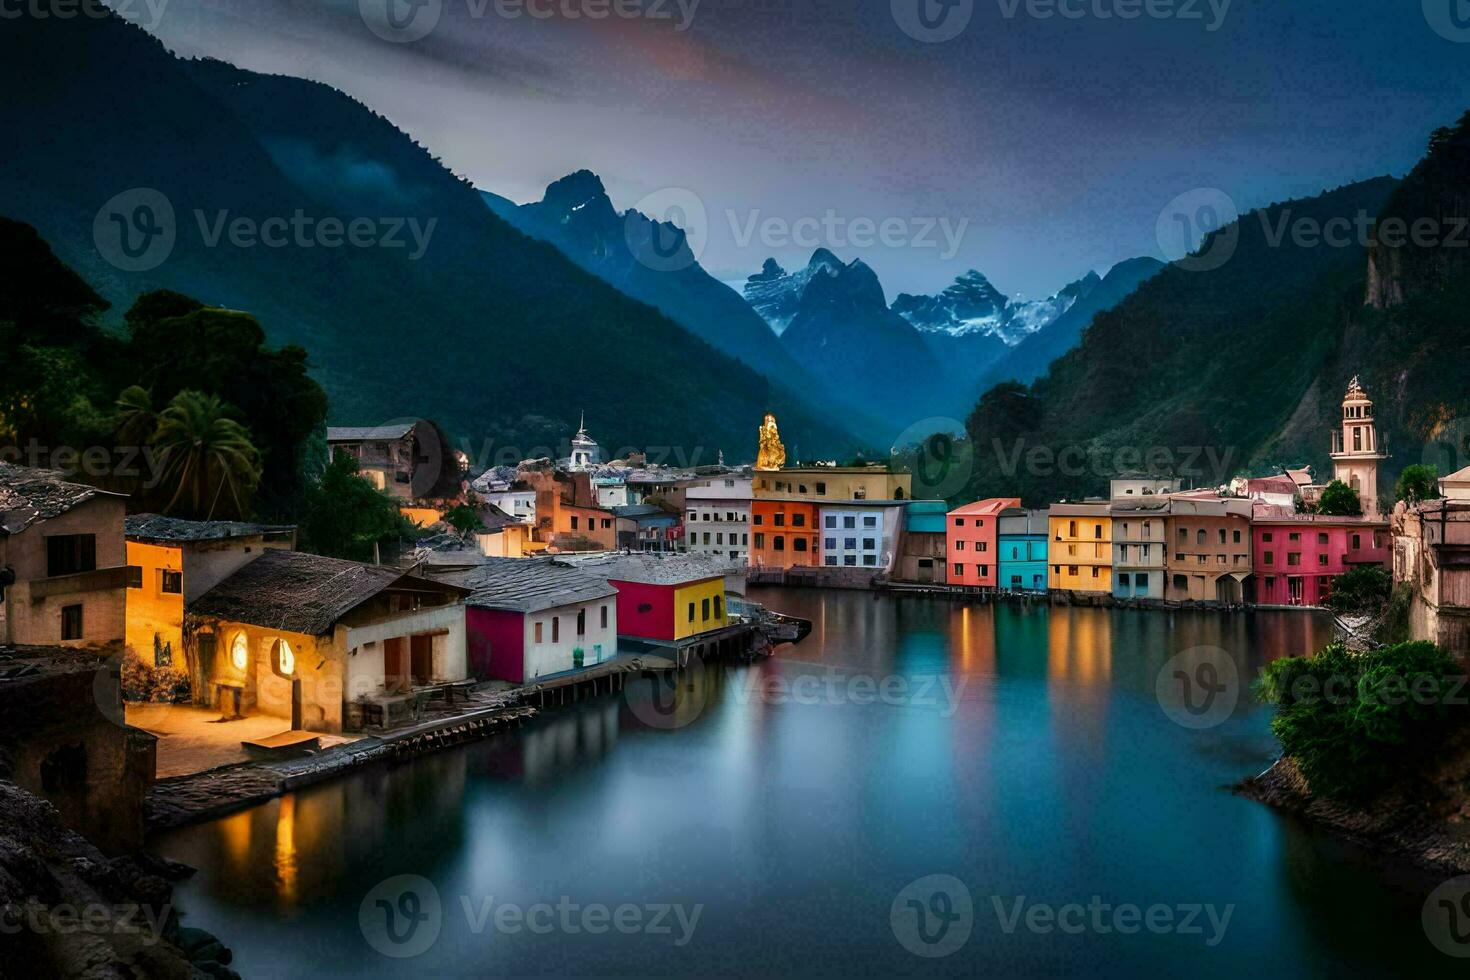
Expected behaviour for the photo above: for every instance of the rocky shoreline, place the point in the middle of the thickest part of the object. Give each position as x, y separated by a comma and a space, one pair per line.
1425, 819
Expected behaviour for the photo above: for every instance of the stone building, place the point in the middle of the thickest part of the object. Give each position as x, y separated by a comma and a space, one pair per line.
1209, 550
1431, 553
63, 561
1357, 451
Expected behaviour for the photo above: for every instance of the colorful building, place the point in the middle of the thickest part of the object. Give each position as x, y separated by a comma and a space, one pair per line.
1297, 556
1080, 549
924, 545
860, 534
533, 619
784, 533
172, 562
1209, 547
717, 517
823, 483
973, 534
672, 603
1022, 543
301, 638
1140, 546
646, 527
63, 561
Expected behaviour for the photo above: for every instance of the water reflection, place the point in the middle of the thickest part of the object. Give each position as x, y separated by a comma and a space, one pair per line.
1021, 749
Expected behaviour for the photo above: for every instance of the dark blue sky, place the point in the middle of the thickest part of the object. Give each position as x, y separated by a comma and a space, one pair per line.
1053, 142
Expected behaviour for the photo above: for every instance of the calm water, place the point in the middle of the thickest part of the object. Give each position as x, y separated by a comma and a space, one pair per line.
1022, 752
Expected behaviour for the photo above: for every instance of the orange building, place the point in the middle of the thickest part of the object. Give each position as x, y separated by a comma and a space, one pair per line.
972, 533
567, 515
784, 533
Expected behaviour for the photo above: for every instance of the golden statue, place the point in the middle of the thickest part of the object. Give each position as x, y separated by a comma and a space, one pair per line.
772, 454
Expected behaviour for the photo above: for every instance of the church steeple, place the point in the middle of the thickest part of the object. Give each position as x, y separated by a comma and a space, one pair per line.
1356, 450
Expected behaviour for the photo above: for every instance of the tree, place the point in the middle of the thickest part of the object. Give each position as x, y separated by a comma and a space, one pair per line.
1417, 484
205, 453
345, 516
1340, 500
135, 421
465, 520
1364, 589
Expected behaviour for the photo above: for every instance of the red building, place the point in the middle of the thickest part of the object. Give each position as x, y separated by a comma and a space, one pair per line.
784, 533
972, 533
1297, 556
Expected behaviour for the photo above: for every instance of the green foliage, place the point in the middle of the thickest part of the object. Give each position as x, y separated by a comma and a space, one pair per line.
1340, 500
1417, 483
1364, 589
1395, 627
204, 454
1355, 722
345, 516
465, 520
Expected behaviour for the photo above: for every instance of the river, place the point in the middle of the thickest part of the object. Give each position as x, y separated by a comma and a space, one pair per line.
782, 817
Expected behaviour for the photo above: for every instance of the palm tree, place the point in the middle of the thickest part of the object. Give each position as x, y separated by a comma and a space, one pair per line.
136, 420
204, 452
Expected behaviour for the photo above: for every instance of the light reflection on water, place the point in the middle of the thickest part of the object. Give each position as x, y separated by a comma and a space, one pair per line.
800, 799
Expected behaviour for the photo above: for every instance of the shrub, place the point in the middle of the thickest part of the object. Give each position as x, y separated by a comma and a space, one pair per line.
1364, 589
1355, 722
143, 682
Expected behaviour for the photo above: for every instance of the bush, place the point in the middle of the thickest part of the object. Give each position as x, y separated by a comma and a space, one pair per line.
1355, 722
143, 682
1364, 589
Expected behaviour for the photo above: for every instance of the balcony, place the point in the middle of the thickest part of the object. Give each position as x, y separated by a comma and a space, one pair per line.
99, 580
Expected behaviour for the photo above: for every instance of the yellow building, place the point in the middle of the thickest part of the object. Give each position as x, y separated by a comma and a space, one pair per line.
172, 562
1080, 551
699, 608
835, 483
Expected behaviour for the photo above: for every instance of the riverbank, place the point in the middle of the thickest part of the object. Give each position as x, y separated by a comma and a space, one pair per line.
1425, 818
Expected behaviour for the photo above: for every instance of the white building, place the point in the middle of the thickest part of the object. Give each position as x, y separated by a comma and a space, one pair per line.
717, 518
520, 504
858, 536
586, 453
612, 491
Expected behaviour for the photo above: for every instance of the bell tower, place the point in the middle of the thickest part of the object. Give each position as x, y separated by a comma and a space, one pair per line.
1356, 451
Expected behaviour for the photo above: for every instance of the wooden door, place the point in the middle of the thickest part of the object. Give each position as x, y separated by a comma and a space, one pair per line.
395, 667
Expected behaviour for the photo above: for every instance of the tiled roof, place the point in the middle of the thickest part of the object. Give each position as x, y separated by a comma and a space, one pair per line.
29, 495
370, 433
528, 585
157, 528
653, 569
300, 593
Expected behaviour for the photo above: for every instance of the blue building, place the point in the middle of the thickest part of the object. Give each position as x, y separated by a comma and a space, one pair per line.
1022, 547
922, 555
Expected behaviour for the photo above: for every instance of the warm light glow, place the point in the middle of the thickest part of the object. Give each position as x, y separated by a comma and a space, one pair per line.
286, 867
285, 659
240, 652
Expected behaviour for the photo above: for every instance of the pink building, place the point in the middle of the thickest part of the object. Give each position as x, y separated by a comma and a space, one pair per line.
972, 533
1297, 556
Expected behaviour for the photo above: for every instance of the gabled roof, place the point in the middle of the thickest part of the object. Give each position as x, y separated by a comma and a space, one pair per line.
983, 508
370, 433
652, 569
172, 530
29, 495
300, 593
529, 585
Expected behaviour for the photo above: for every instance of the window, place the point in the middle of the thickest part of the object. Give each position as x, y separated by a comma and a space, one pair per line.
604, 617
719, 607
71, 554
1237, 537
831, 520
959, 522
1097, 531
581, 622
870, 544
1071, 569
831, 544
959, 546
873, 560
1294, 558
983, 546
1294, 536
1222, 535
1199, 537
1266, 538
798, 520
555, 629
1096, 571
831, 560
1357, 541
760, 540
1123, 579
1071, 529
135, 577
71, 621
780, 542
870, 520
849, 522
1268, 558
959, 569
1321, 537
1184, 535
798, 544
170, 582
849, 559
606, 523
574, 522
757, 519
780, 520
850, 544
704, 610
821, 489
1322, 558
691, 612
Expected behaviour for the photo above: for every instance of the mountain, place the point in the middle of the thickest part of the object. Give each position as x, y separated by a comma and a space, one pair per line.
1239, 363
776, 294
971, 305
651, 262
240, 189
1029, 358
842, 328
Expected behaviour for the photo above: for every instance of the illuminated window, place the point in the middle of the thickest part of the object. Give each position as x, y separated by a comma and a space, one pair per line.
240, 652
283, 659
